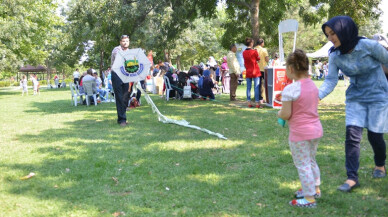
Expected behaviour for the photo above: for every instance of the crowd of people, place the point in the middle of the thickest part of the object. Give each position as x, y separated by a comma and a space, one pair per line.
207, 80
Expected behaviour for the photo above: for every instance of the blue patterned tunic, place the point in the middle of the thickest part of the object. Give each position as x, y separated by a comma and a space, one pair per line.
367, 95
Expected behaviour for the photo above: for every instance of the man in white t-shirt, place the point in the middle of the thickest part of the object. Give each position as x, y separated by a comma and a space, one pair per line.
76, 77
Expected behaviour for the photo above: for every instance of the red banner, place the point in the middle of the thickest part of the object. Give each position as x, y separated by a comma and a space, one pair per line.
280, 82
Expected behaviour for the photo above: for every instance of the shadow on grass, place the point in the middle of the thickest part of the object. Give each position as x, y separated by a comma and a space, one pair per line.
150, 168
10, 91
65, 106
199, 169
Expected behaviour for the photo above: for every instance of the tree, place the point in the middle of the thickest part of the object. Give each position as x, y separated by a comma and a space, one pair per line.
243, 15
168, 27
361, 11
243, 19
197, 44
151, 24
28, 28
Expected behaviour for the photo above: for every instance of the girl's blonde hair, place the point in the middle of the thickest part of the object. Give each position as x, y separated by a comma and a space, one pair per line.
299, 61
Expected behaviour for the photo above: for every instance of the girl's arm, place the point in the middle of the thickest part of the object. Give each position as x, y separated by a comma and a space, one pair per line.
331, 79
286, 110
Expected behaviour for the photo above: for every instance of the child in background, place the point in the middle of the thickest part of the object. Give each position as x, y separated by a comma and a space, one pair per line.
23, 84
300, 108
35, 83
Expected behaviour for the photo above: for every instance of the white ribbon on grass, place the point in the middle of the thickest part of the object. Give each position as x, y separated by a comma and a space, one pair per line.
167, 120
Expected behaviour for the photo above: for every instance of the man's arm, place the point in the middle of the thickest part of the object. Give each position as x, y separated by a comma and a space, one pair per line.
113, 56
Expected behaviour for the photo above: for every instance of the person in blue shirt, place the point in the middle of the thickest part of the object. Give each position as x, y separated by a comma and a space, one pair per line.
361, 60
218, 73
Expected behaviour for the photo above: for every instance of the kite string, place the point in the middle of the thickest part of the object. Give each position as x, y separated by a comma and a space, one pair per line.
166, 120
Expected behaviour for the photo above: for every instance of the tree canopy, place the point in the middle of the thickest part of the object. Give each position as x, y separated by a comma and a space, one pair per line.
186, 31
28, 27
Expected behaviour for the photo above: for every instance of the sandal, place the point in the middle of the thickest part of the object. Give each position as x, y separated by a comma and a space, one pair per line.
299, 194
303, 203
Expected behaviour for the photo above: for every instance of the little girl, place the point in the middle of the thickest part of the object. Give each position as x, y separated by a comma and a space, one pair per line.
35, 83
23, 84
300, 108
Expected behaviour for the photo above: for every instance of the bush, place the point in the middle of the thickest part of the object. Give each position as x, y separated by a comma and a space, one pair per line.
9, 83
29, 82
2, 84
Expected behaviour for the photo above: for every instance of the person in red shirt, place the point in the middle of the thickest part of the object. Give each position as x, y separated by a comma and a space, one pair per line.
251, 59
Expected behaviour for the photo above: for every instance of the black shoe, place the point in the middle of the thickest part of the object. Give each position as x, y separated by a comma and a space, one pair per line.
379, 173
347, 188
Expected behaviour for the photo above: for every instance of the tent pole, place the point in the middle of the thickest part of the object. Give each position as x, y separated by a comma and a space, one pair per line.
294, 42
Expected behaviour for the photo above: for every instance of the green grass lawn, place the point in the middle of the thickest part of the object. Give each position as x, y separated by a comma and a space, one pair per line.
87, 165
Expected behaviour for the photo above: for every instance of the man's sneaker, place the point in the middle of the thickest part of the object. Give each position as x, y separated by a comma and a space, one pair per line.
303, 203
299, 194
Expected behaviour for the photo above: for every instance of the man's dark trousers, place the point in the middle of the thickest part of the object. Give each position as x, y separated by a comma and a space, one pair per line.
119, 88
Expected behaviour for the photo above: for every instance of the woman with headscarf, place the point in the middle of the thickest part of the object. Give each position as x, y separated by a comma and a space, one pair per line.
206, 86
225, 76
366, 97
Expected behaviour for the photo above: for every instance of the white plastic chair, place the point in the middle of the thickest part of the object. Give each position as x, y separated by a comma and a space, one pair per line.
110, 96
168, 87
75, 95
89, 87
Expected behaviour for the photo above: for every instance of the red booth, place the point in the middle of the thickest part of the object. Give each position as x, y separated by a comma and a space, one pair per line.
275, 81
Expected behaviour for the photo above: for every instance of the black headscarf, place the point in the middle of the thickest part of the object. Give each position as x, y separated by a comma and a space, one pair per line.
346, 31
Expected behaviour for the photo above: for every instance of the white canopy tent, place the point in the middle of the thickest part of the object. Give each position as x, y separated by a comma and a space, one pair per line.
323, 52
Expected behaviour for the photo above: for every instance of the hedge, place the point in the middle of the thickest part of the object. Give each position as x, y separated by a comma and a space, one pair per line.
29, 83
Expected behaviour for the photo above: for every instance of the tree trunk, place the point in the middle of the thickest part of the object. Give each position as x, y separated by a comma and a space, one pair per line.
48, 70
167, 56
178, 62
255, 5
101, 64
